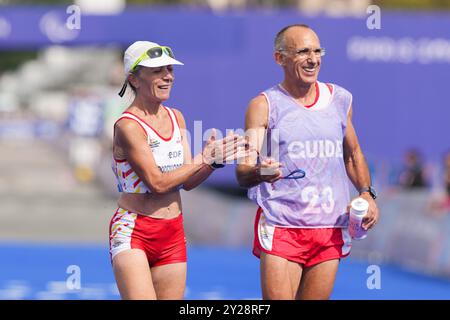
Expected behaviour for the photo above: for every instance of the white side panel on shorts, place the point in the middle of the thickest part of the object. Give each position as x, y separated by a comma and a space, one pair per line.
121, 232
347, 241
265, 233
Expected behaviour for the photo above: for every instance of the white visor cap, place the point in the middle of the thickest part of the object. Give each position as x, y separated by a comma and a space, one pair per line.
137, 49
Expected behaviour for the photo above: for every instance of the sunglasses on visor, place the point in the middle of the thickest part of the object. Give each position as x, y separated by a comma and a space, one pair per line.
152, 53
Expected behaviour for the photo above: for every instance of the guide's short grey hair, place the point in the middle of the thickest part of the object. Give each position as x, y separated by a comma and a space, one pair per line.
279, 39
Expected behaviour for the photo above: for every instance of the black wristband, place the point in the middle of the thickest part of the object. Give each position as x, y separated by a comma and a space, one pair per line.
370, 190
217, 166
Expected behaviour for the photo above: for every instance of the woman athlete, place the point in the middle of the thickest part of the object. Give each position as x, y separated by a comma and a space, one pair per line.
152, 162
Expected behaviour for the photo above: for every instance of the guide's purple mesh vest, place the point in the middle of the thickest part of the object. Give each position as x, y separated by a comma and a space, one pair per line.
310, 139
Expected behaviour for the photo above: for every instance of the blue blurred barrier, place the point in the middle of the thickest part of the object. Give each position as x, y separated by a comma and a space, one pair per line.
85, 116
411, 233
29, 129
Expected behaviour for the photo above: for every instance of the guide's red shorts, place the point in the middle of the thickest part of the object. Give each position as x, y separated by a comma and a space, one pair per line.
306, 246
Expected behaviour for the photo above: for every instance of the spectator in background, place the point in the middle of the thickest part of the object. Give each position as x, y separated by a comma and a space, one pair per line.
446, 199
447, 174
440, 200
412, 174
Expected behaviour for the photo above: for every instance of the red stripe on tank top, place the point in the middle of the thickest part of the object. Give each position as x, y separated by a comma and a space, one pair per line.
157, 133
126, 174
176, 118
136, 183
317, 96
330, 87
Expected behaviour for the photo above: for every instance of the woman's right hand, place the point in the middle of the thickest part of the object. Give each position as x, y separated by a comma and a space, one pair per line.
232, 147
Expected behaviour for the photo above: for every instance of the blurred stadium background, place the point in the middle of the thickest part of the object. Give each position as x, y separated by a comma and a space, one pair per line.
58, 101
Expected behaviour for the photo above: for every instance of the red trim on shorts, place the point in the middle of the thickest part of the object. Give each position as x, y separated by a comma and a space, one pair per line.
171, 121
257, 248
113, 219
317, 96
169, 261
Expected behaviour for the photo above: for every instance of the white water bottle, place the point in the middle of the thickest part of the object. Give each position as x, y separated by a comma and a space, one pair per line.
358, 210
